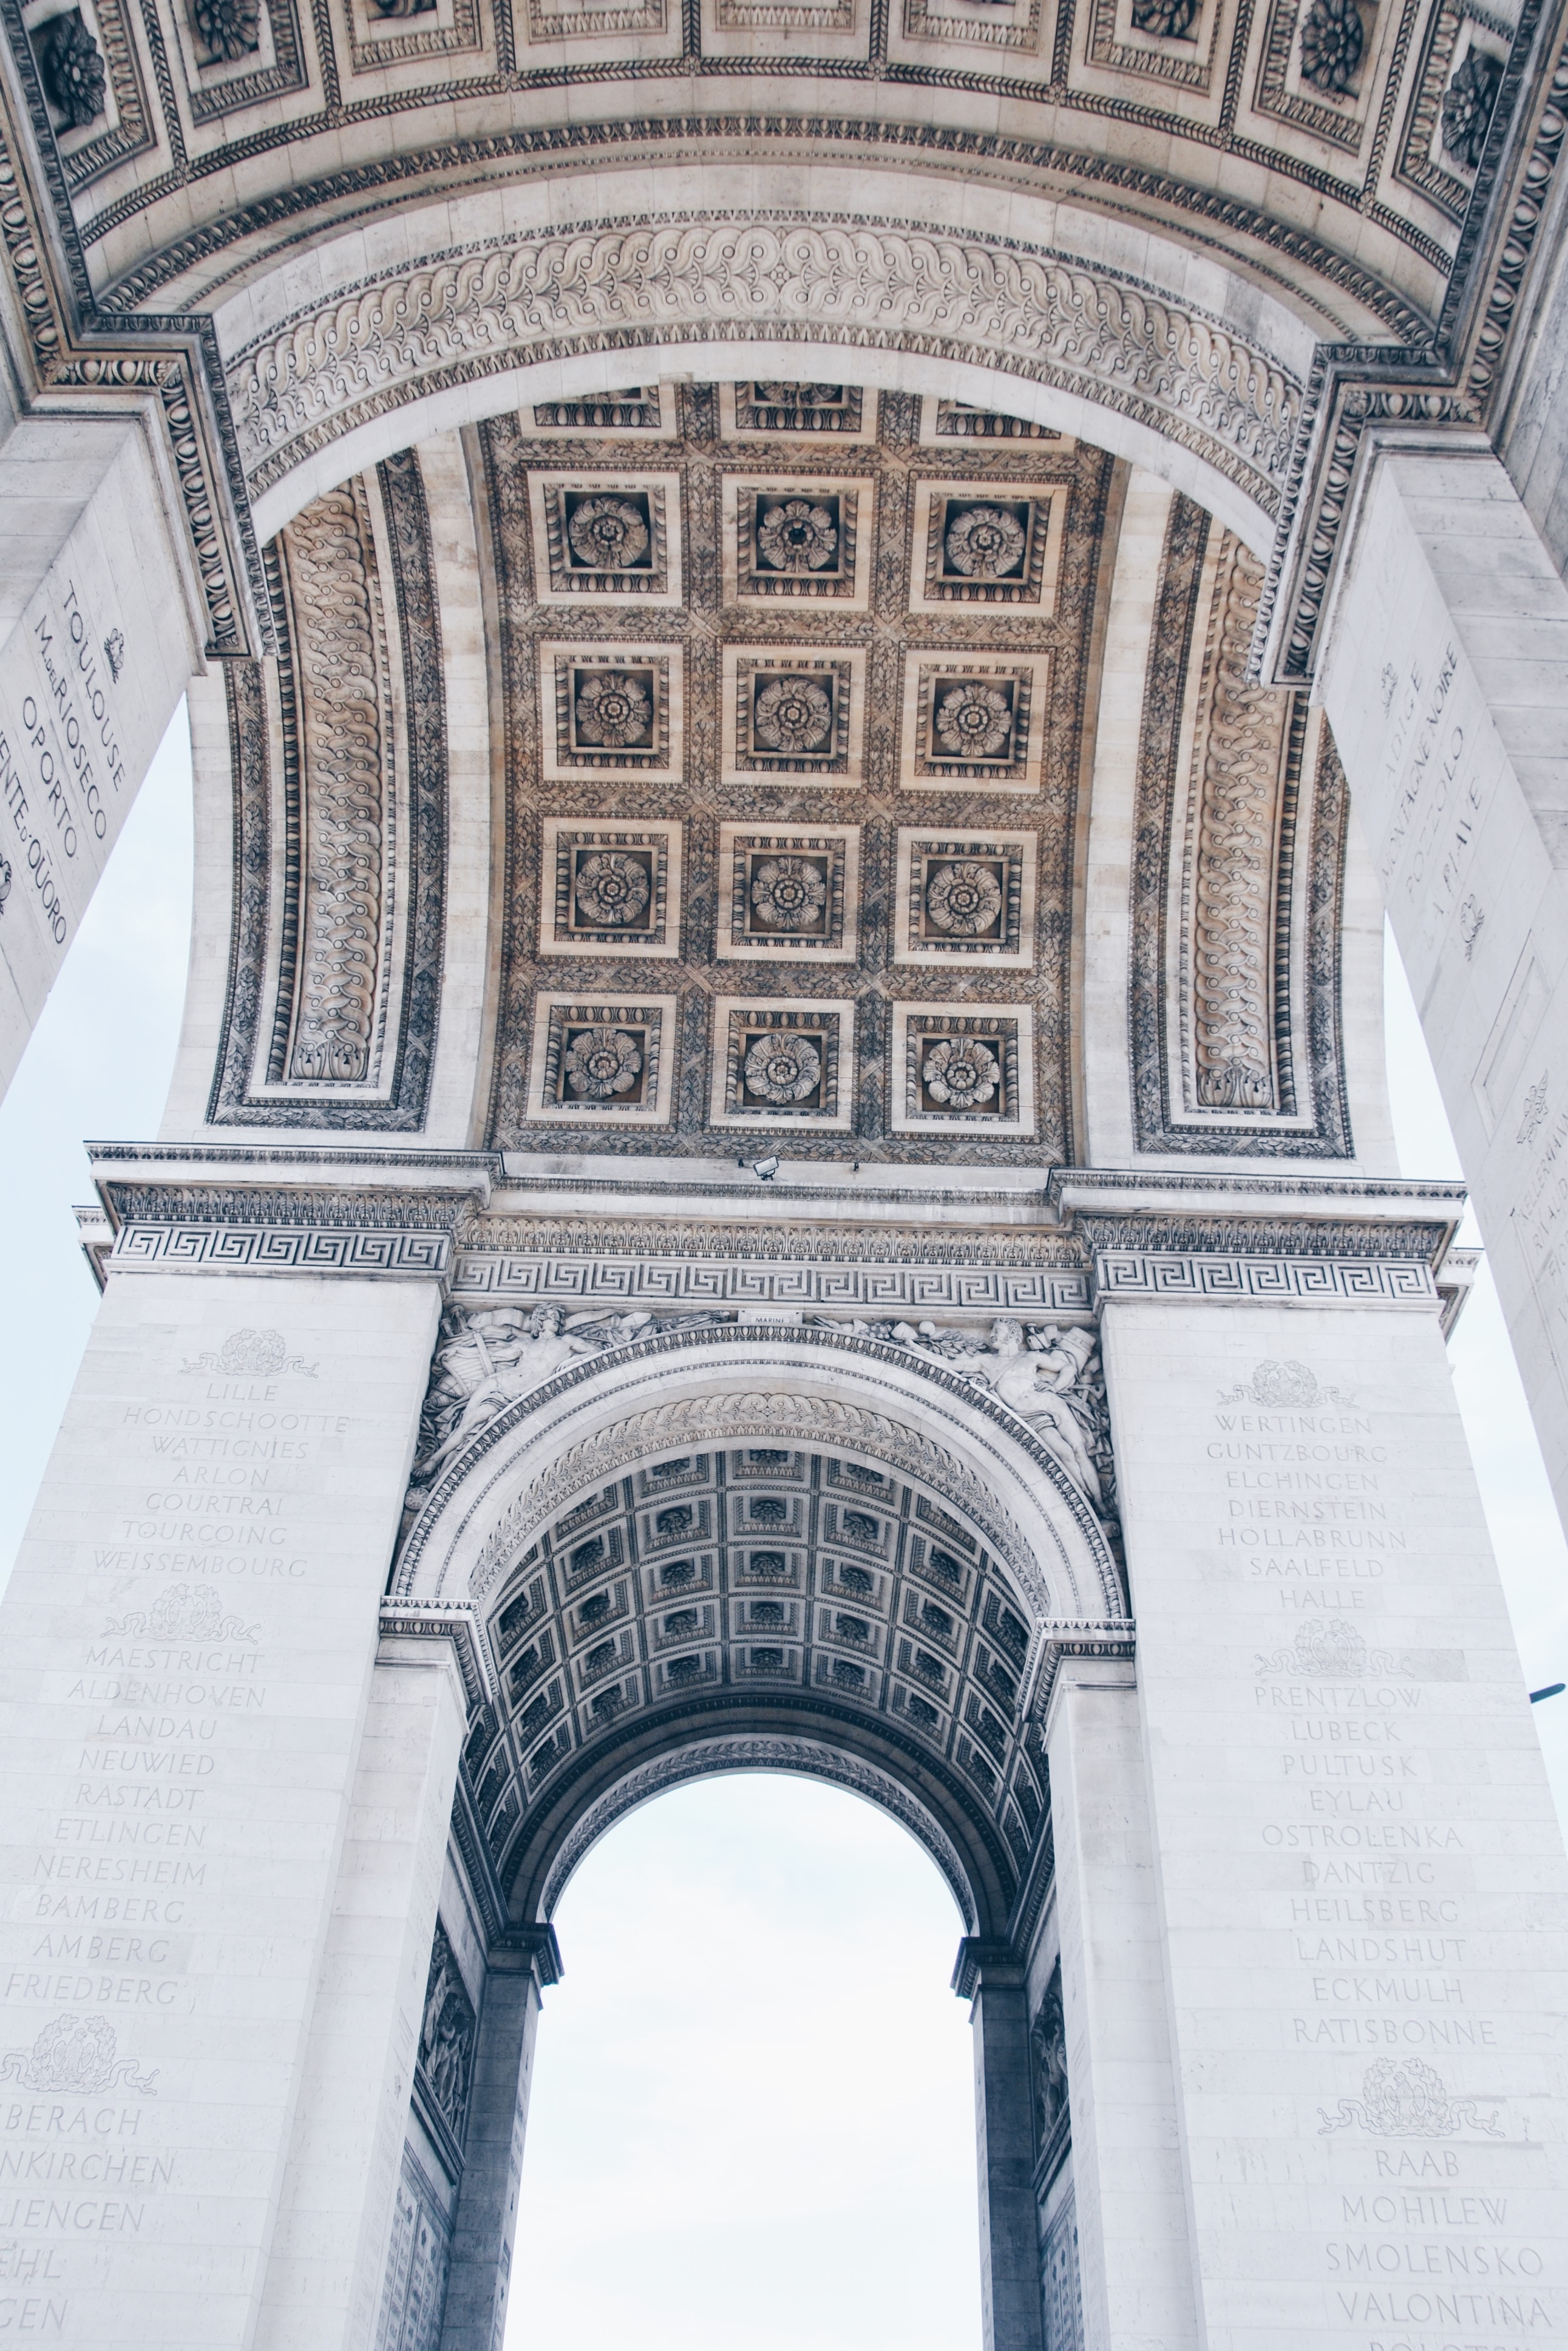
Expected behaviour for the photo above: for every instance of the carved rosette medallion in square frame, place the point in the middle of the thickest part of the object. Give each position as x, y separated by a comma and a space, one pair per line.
610, 889
783, 1061
995, 543
791, 714
795, 537
641, 412
965, 897
610, 710
973, 726
601, 1060
962, 1069
838, 413
606, 535
788, 894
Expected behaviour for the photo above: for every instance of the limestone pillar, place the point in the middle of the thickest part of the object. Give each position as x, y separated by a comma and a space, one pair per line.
187, 1654
100, 628
1446, 678
1360, 1874
479, 2279
1004, 2122
1134, 2264
328, 2258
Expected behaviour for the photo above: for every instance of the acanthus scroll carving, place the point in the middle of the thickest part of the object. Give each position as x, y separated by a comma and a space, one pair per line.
1235, 827
345, 758
889, 285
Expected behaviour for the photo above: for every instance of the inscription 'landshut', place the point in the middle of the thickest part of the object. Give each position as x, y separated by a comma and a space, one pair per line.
1371, 1916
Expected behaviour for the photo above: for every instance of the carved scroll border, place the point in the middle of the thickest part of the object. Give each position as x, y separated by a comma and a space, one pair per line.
634, 285
1312, 1030
262, 867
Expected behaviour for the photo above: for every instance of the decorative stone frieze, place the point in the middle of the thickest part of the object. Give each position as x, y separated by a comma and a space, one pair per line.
300, 388
339, 760
1241, 824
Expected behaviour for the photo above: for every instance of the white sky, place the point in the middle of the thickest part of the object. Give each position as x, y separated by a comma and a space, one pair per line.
753, 2068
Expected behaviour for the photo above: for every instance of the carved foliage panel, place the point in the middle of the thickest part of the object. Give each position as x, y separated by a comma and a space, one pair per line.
338, 751
1237, 883
793, 709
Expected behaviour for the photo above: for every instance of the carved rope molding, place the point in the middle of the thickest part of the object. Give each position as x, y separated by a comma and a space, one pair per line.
466, 314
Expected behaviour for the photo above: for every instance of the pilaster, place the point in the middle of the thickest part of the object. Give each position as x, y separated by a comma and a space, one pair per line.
324, 2279
1360, 1881
1009, 2257
479, 2280
1134, 2262
189, 1649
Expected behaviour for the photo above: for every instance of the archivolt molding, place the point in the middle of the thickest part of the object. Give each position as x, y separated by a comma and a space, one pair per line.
488, 1505
1236, 883
864, 284
808, 1757
339, 765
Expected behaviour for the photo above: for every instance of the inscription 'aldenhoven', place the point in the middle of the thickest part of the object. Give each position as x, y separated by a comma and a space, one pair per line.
1376, 1937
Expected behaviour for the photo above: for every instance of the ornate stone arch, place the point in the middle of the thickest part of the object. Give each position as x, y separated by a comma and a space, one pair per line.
540, 1531
828, 1387
1184, 367
811, 1758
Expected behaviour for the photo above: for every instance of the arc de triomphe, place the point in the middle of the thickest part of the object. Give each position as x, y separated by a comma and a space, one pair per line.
779, 1155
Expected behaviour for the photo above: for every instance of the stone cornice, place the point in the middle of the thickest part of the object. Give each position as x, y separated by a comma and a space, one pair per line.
1093, 1234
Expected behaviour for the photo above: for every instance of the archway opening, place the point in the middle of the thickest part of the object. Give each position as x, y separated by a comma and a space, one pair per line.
751, 2122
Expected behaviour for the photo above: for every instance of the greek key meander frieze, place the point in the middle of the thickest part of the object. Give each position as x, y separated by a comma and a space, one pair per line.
338, 755
906, 286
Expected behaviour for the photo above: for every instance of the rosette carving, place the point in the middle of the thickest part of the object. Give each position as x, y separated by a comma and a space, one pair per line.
602, 1062
984, 543
963, 899
784, 1069
793, 715
611, 887
797, 536
787, 893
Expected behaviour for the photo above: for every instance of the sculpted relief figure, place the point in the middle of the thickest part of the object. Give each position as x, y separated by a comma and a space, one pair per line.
486, 1359
1050, 1375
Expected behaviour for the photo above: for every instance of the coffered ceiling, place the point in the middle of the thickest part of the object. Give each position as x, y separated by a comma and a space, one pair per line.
792, 728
